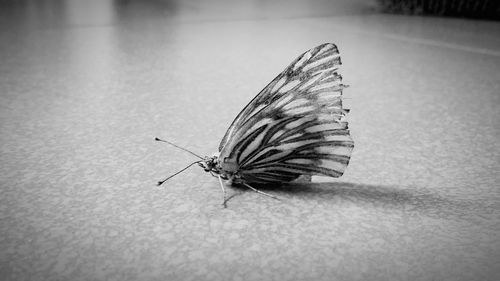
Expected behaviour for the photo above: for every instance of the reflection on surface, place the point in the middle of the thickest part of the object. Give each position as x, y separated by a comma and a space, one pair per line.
66, 13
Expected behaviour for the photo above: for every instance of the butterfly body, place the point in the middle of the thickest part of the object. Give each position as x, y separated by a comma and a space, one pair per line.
295, 126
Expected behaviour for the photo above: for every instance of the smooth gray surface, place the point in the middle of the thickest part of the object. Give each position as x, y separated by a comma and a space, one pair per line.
85, 87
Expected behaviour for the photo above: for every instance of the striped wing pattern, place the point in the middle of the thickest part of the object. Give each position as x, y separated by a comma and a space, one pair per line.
294, 126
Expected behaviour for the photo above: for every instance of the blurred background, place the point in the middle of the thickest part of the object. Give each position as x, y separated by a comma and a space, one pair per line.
85, 86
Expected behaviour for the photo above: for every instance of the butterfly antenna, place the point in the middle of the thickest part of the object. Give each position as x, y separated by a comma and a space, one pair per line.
169, 177
173, 144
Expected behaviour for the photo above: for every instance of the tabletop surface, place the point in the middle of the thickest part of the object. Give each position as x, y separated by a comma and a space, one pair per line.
86, 86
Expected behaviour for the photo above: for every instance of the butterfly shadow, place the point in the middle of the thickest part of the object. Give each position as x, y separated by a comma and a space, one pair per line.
412, 199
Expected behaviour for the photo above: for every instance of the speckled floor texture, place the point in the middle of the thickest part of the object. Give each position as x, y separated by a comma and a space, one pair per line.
86, 86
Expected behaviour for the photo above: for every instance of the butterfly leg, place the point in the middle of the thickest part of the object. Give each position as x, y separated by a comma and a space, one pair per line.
223, 192
260, 192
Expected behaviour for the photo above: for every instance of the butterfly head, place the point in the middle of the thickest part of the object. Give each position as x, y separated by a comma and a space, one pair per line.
210, 164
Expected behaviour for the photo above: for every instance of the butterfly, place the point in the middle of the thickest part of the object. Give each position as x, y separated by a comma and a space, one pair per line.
294, 127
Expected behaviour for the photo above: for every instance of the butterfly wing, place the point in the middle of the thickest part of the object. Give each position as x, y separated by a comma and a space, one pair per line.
294, 126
